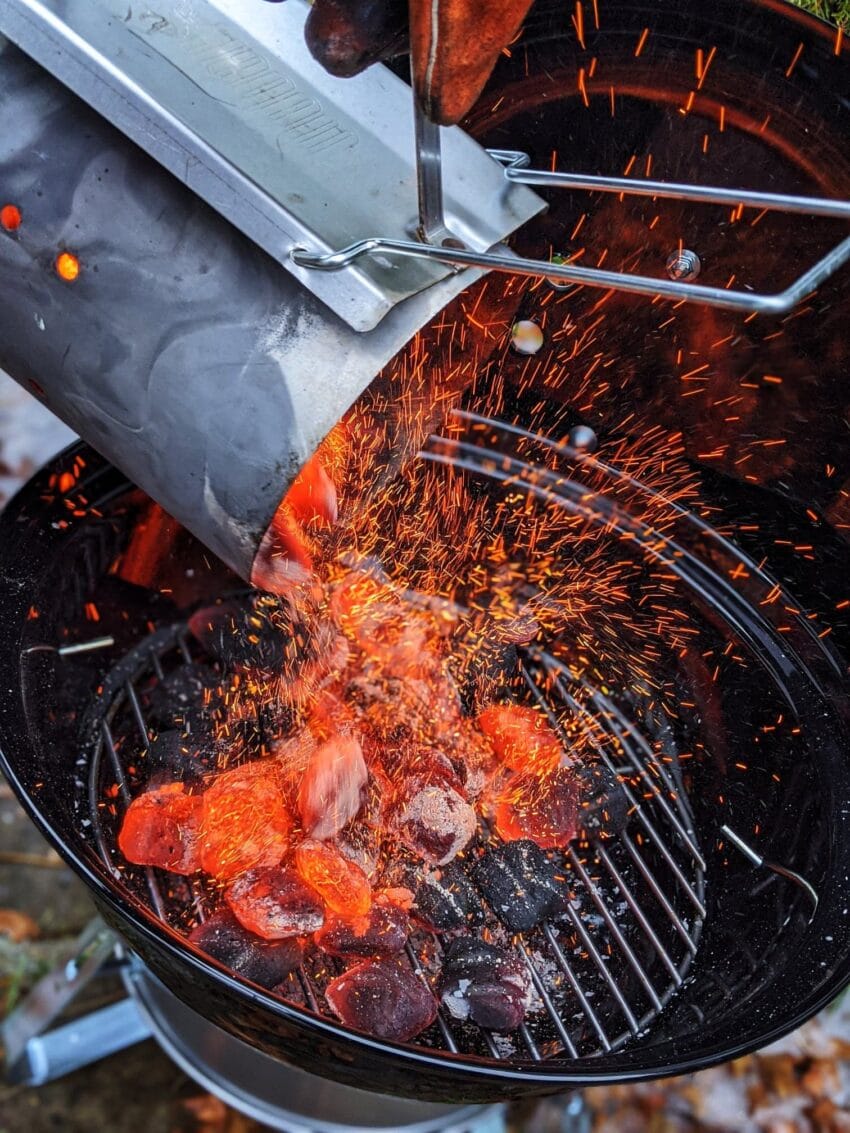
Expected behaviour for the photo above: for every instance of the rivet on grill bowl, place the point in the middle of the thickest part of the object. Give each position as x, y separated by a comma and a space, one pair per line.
526, 337
582, 438
683, 265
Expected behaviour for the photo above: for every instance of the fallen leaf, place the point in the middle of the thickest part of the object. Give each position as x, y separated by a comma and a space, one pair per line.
210, 1115
17, 926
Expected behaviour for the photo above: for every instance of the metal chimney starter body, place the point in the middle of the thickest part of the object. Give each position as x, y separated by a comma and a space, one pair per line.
181, 351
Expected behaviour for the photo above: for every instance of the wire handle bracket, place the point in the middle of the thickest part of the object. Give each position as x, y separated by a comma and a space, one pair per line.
500, 258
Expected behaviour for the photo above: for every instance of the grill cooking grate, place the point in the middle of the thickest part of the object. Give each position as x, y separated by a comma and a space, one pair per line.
601, 972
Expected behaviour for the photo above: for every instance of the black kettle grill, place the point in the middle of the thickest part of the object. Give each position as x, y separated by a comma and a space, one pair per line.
718, 920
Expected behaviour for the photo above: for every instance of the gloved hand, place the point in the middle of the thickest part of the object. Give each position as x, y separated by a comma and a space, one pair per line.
454, 43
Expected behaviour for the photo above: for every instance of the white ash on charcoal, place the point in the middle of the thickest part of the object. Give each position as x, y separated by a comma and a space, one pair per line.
434, 821
345, 791
486, 984
521, 884
445, 899
262, 962
275, 903
384, 998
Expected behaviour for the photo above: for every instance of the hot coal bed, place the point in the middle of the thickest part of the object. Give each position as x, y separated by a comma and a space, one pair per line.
620, 547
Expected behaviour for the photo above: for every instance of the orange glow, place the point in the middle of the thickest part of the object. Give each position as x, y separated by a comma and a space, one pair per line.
150, 548
67, 266
312, 496
544, 809
244, 822
522, 738
341, 884
160, 829
10, 217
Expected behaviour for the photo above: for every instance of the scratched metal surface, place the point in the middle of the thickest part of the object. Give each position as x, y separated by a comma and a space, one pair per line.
182, 352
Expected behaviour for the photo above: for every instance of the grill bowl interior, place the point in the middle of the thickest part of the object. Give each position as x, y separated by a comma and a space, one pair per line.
760, 958
762, 961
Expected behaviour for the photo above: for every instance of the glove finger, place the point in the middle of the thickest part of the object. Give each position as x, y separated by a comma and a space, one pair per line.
346, 36
455, 46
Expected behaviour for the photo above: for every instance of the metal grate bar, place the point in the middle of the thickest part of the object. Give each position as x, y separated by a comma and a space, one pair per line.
551, 1010
619, 726
614, 929
183, 646
528, 1039
649, 878
307, 987
636, 763
638, 912
584, 1002
445, 1030
171, 649
658, 842
137, 713
602, 968
121, 780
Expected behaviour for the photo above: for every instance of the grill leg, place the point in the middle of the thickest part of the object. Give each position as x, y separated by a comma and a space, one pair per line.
79, 1043
34, 1053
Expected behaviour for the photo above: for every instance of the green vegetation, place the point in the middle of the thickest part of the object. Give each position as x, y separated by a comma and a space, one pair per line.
838, 11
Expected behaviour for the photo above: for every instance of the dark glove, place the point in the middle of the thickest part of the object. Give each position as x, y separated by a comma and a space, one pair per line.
346, 36
455, 43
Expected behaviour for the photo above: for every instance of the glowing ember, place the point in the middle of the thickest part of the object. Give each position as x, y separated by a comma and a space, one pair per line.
244, 821
521, 737
161, 829
544, 809
10, 218
331, 790
341, 884
399, 746
274, 903
67, 266
381, 932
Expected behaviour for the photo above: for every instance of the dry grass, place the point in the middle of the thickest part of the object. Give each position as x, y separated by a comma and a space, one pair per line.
837, 11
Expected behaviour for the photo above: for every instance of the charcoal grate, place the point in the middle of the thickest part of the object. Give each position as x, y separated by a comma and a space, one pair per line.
601, 972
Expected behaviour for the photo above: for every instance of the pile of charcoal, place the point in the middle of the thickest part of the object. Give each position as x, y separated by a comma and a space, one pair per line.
349, 776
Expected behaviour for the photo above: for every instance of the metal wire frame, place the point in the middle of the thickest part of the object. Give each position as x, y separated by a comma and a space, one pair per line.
502, 259
600, 974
